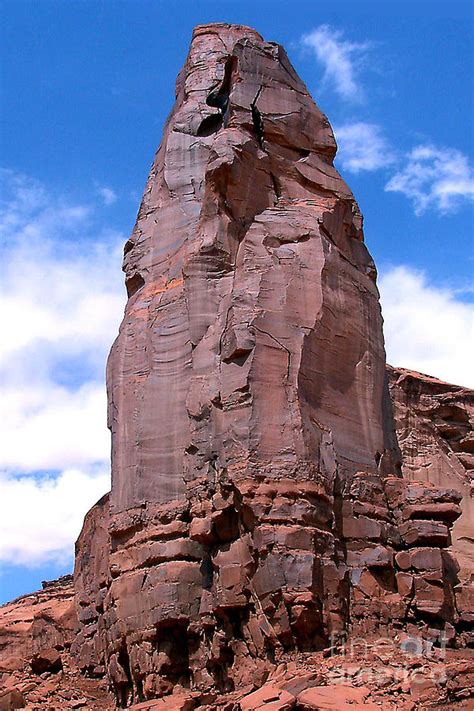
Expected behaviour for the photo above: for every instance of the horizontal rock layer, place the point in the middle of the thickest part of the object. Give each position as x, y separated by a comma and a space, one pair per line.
434, 426
400, 674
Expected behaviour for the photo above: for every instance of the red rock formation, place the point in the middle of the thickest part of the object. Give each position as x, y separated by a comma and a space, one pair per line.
394, 677
434, 426
252, 334
246, 382
91, 575
36, 668
254, 507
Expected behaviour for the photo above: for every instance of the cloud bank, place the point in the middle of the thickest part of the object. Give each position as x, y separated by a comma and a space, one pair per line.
427, 328
61, 300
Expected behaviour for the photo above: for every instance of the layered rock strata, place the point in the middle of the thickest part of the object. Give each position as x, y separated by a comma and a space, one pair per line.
397, 674
256, 504
36, 667
434, 426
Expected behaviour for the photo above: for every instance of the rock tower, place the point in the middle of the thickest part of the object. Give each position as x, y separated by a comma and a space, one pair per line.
257, 503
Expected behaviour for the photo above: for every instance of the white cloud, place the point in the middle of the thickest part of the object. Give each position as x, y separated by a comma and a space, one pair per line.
61, 301
47, 427
440, 178
40, 517
108, 195
340, 58
362, 147
427, 328
58, 298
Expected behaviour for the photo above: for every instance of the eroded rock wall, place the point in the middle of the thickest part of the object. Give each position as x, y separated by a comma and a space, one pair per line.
252, 334
246, 382
434, 426
91, 580
255, 505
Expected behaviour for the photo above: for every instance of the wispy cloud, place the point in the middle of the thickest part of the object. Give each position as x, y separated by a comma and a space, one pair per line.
362, 147
427, 328
61, 299
41, 516
340, 58
433, 177
108, 195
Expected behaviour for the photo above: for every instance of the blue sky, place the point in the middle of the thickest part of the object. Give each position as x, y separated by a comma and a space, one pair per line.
86, 87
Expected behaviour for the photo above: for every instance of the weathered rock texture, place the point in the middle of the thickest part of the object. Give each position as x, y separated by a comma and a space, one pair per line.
38, 671
434, 426
36, 667
256, 504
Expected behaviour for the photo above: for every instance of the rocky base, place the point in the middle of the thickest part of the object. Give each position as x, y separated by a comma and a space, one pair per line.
400, 672
255, 570
37, 671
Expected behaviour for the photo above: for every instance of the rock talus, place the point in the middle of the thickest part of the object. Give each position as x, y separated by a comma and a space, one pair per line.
37, 670
257, 504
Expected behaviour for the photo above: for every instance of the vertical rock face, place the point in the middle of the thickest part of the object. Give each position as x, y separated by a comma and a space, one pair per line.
252, 338
254, 506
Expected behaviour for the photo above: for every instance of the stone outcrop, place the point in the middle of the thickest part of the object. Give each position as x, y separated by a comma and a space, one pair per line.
36, 667
91, 575
34, 623
434, 427
257, 506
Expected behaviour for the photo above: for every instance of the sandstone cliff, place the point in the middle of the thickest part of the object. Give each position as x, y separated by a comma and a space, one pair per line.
434, 426
256, 505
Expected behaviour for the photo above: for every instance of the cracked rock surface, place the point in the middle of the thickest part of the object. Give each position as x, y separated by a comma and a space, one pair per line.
257, 504
245, 384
